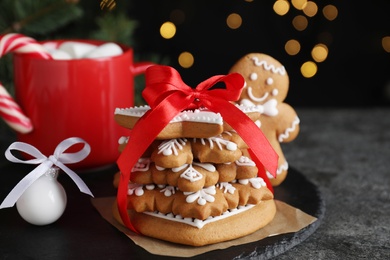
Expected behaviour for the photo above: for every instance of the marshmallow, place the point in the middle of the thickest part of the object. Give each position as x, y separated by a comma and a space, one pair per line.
105, 50
60, 55
76, 50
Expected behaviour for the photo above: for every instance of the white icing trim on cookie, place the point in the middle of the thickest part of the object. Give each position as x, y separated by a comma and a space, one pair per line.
207, 166
171, 146
197, 115
281, 168
197, 222
286, 133
142, 165
137, 189
270, 67
191, 174
250, 107
137, 111
168, 190
245, 161
269, 108
226, 186
256, 182
269, 81
253, 76
219, 142
123, 140
202, 196
254, 98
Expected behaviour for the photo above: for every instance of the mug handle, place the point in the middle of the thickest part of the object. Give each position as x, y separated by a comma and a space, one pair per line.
140, 67
12, 114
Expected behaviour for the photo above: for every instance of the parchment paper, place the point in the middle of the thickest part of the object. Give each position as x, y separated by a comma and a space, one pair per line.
287, 220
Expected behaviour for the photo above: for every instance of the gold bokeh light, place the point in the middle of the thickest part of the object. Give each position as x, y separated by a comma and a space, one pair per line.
299, 4
234, 21
168, 30
310, 9
186, 59
309, 69
292, 47
281, 7
330, 12
386, 43
300, 22
320, 52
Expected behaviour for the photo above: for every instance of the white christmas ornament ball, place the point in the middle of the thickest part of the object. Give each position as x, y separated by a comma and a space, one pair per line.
44, 201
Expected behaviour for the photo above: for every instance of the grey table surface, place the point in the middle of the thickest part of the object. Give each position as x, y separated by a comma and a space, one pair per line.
346, 153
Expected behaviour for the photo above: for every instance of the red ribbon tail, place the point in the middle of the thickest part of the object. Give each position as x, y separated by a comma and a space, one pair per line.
249, 132
261, 171
143, 134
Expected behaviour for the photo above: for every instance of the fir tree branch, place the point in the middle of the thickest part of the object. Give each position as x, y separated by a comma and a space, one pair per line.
17, 26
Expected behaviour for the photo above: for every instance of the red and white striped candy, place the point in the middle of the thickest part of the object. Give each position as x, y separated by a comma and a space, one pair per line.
14, 42
12, 114
9, 109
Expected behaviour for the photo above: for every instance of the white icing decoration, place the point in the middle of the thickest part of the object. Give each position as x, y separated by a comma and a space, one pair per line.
246, 102
207, 166
202, 196
219, 141
281, 168
198, 115
245, 161
269, 108
142, 165
258, 123
123, 140
270, 67
178, 169
172, 146
227, 187
197, 222
270, 81
275, 92
150, 186
168, 191
159, 168
191, 174
254, 98
136, 189
286, 133
256, 182
253, 76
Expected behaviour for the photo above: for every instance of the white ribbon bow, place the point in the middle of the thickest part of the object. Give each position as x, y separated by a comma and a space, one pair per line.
59, 158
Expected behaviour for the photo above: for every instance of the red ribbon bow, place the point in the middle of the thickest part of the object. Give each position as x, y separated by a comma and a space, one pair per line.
167, 96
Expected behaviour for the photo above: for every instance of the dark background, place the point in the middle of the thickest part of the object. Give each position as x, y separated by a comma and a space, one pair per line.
355, 74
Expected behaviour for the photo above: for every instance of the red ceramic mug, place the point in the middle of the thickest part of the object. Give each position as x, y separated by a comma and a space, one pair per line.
76, 98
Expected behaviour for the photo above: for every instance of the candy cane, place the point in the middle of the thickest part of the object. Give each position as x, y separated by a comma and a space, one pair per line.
12, 114
9, 109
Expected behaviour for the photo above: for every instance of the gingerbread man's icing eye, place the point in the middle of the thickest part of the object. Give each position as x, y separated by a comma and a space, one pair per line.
253, 76
270, 81
275, 92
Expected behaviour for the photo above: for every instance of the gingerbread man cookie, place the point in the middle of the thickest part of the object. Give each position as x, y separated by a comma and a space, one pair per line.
266, 87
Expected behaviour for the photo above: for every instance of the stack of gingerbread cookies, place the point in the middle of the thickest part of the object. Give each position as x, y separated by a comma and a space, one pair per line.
195, 178
196, 184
